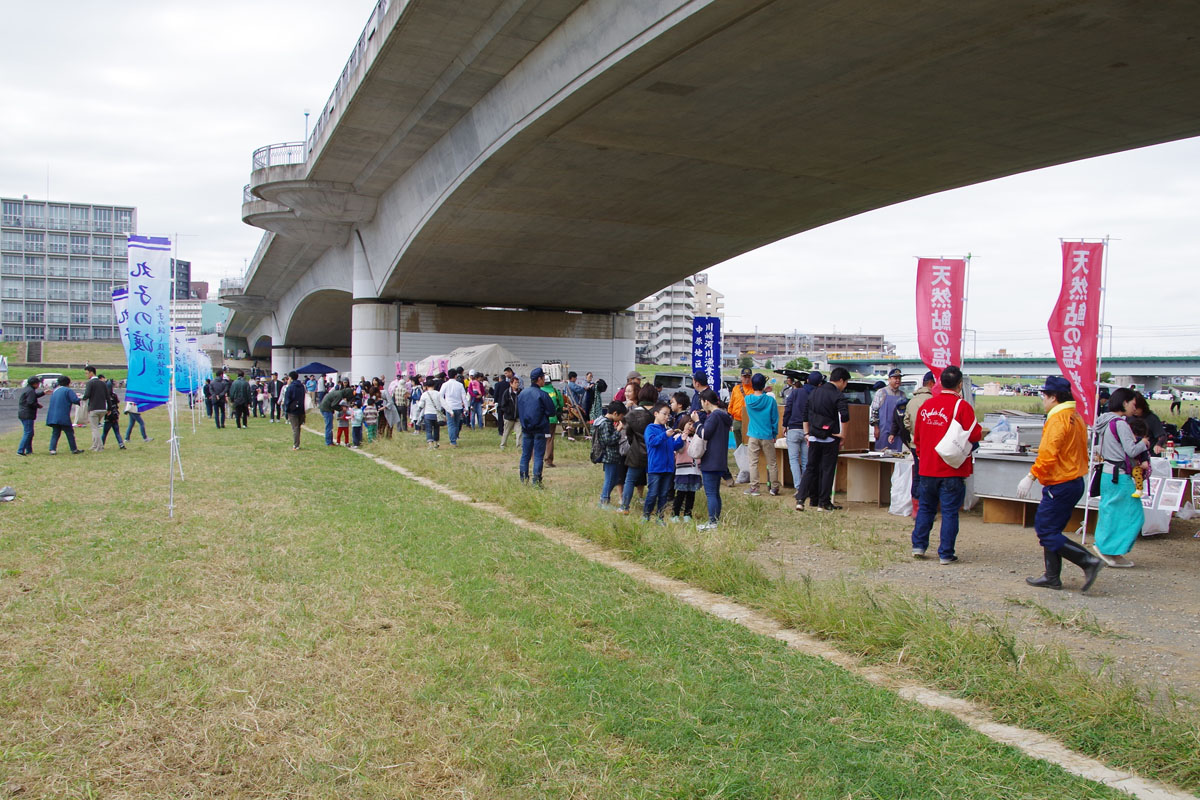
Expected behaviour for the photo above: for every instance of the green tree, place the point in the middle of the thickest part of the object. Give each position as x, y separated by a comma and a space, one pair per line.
745, 362
768, 365
800, 363
1106, 377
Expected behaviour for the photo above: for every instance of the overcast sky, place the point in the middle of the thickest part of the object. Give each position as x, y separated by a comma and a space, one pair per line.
160, 105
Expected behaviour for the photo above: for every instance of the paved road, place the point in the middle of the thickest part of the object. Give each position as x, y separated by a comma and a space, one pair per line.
8, 416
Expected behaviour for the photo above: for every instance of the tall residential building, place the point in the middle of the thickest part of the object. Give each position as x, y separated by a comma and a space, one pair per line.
59, 263
709, 302
663, 321
772, 345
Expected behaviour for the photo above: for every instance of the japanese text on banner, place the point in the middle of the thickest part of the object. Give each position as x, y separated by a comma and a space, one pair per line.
148, 331
941, 289
1075, 322
706, 349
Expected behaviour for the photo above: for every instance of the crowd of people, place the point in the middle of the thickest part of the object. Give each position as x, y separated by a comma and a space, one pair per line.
99, 401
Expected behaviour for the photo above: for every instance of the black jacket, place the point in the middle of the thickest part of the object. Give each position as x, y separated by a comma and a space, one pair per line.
796, 406
95, 394
27, 403
218, 390
827, 410
635, 431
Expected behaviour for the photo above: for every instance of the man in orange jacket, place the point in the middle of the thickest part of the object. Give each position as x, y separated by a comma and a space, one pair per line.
1061, 463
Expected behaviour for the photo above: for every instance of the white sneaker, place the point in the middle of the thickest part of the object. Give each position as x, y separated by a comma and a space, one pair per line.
674, 520
707, 526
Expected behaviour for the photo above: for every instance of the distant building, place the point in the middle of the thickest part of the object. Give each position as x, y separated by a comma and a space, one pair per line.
663, 321
762, 346
199, 290
183, 278
189, 314
59, 263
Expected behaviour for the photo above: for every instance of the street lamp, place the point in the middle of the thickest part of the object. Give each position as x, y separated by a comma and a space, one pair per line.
306, 132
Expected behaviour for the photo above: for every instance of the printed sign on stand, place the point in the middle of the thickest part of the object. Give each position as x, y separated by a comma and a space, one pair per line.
706, 349
1150, 492
1171, 497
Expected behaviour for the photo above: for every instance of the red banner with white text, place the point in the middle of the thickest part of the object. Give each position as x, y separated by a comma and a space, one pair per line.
1075, 322
941, 289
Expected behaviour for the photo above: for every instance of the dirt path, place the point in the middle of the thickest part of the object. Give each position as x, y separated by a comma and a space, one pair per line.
1144, 623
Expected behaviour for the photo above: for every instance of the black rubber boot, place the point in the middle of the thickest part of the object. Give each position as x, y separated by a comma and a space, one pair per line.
1050, 580
1081, 558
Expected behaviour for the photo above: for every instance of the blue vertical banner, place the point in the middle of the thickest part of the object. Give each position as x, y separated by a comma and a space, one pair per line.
706, 349
185, 362
148, 328
120, 301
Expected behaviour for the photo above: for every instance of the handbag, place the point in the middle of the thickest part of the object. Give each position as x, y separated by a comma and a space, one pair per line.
131, 407
308, 402
955, 446
696, 447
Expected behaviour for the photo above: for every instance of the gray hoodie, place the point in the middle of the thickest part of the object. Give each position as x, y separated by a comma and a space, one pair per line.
1118, 449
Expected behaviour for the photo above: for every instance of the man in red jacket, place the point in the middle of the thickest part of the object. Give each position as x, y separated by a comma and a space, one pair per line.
941, 484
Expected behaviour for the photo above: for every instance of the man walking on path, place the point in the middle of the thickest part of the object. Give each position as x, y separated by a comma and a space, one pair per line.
241, 395
95, 394
27, 406
1062, 461
941, 484
534, 409
455, 402
762, 423
274, 398
825, 419
293, 405
219, 391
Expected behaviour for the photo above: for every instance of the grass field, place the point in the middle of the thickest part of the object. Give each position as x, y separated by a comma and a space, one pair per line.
976, 656
311, 625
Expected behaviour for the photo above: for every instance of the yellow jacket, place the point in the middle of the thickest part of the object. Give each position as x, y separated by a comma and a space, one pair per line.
737, 401
1063, 454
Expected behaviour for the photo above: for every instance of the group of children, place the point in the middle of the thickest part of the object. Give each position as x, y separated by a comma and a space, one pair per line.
351, 419
672, 474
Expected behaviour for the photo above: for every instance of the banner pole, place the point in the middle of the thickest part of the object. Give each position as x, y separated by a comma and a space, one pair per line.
1087, 499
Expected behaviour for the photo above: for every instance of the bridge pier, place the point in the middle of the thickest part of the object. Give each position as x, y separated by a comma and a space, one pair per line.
285, 359
372, 339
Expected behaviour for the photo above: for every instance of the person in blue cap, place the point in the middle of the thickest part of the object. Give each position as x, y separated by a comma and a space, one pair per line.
534, 409
1061, 463
883, 412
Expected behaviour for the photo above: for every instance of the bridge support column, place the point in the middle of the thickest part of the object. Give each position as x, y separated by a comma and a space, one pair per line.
372, 339
284, 359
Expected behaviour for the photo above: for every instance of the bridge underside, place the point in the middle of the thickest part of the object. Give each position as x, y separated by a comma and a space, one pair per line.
747, 123
580, 155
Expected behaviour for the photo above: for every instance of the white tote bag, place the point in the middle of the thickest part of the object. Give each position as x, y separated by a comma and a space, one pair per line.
955, 446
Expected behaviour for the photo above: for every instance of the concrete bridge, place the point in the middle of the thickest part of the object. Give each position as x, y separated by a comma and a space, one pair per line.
1147, 370
522, 171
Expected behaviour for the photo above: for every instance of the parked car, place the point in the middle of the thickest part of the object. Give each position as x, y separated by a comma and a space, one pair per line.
1191, 396
1161, 395
47, 378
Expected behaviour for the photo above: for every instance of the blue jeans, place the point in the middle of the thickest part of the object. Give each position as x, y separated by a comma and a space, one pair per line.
56, 430
219, 414
138, 419
614, 475
432, 431
658, 492
949, 494
712, 493
26, 445
797, 446
477, 414
328, 415
532, 444
356, 435
454, 421
632, 476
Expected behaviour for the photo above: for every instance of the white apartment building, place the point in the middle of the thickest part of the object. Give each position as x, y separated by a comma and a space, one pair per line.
58, 266
663, 321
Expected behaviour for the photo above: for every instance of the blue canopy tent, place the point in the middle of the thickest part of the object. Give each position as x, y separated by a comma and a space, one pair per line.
315, 368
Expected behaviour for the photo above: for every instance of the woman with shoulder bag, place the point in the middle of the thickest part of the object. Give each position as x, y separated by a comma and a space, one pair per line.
1121, 517
131, 411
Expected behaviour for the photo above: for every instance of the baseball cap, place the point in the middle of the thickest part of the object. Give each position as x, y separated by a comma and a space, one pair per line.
536, 373
634, 374
747, 371
1056, 383
700, 376
758, 382
928, 377
895, 372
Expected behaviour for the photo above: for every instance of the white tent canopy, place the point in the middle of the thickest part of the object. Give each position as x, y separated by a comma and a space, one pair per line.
489, 359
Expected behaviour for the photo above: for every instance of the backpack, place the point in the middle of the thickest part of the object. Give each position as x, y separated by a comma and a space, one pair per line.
898, 423
597, 446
